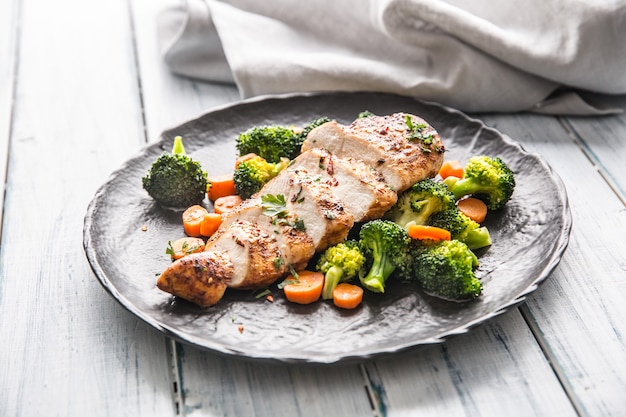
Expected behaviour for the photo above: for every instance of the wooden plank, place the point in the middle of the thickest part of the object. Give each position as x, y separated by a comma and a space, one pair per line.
492, 371
68, 348
604, 140
577, 315
8, 40
218, 386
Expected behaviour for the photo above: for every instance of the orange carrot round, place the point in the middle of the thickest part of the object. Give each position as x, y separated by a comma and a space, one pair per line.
473, 208
210, 223
305, 289
185, 246
220, 185
347, 296
226, 203
451, 168
192, 219
423, 232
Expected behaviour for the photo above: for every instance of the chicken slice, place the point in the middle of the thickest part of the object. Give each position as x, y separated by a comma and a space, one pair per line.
314, 206
295, 246
257, 260
201, 278
361, 188
403, 152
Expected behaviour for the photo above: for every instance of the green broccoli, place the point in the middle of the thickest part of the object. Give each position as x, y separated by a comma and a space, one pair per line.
252, 174
418, 203
339, 263
462, 228
445, 269
487, 178
312, 125
175, 180
364, 114
274, 142
385, 244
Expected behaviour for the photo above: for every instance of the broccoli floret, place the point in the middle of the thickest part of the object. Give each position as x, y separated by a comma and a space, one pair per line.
418, 203
252, 174
445, 269
175, 180
270, 142
385, 243
487, 178
364, 114
312, 125
462, 228
339, 263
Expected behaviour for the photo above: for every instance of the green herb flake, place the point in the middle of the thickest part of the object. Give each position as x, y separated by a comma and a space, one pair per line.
274, 205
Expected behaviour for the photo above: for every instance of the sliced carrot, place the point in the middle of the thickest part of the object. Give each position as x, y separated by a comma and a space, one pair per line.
473, 208
192, 219
243, 158
185, 246
423, 232
347, 296
452, 168
210, 224
220, 185
226, 203
305, 289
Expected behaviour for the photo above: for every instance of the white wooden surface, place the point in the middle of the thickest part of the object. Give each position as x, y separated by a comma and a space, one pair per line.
90, 90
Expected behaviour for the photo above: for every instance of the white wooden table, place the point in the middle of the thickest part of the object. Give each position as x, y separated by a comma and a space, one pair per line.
82, 88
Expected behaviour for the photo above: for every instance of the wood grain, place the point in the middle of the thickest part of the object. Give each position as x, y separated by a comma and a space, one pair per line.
603, 140
578, 313
8, 42
68, 348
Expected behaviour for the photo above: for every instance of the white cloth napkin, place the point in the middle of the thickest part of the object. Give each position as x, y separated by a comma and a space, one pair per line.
475, 56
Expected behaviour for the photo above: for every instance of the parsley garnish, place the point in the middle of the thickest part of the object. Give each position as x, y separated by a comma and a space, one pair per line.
274, 205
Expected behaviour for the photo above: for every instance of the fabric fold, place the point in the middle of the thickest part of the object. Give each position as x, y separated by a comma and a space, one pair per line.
476, 57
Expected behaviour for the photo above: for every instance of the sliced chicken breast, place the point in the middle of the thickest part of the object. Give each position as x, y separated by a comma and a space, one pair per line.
404, 152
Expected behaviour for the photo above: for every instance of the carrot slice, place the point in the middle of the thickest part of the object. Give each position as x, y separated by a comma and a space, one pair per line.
192, 219
185, 246
473, 208
423, 232
210, 223
226, 203
220, 185
452, 168
347, 296
305, 289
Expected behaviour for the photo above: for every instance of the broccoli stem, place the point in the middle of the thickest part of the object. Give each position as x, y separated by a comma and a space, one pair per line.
377, 275
178, 148
467, 186
479, 238
331, 279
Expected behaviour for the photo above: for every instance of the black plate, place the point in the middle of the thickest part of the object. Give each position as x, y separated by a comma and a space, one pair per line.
529, 240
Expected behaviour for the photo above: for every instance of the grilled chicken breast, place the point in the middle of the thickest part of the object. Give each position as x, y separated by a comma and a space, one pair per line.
345, 174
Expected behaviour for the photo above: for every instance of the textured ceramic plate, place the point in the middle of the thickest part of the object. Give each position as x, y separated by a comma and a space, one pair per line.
529, 236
